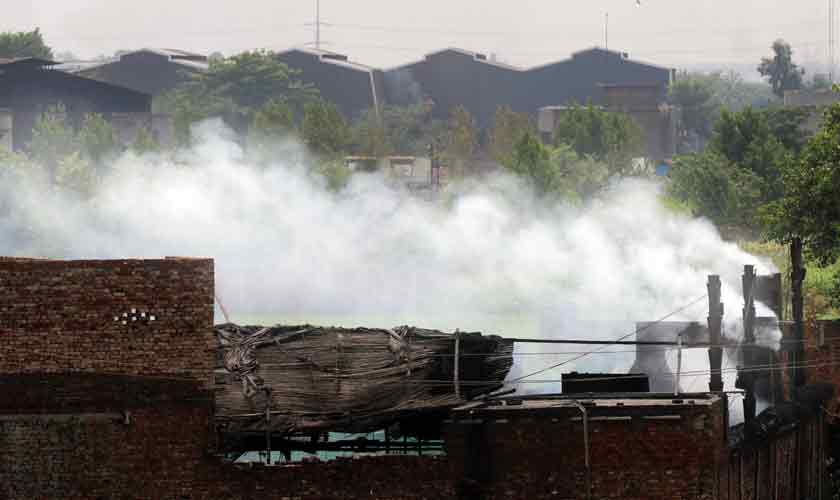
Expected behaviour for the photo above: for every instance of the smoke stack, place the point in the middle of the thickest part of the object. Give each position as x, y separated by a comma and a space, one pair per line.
715, 320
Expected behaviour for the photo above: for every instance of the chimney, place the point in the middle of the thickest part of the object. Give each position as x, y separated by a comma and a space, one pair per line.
715, 321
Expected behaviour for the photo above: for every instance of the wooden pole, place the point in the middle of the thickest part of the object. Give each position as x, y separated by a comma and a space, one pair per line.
715, 321
679, 365
746, 379
796, 278
457, 369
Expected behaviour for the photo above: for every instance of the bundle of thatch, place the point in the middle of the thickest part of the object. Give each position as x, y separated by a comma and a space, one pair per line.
305, 378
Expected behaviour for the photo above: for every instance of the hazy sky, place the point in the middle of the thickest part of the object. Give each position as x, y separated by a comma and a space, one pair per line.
676, 33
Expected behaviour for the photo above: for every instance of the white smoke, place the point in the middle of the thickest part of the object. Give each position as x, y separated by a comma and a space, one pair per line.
488, 258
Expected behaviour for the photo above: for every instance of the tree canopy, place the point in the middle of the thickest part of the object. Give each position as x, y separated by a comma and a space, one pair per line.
508, 128
24, 44
810, 208
323, 129
780, 70
610, 137
741, 168
236, 88
556, 171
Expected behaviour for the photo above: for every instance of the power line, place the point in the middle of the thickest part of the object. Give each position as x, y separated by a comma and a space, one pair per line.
692, 373
634, 332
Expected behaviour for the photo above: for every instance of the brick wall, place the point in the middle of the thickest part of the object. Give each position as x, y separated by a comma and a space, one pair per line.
91, 408
634, 453
58, 317
164, 452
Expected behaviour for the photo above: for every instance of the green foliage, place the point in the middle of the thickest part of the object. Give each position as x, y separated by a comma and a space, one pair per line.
820, 82
613, 138
17, 166
323, 129
556, 171
333, 172
702, 96
24, 44
715, 187
98, 139
370, 135
531, 160
462, 133
695, 96
235, 89
741, 170
810, 208
401, 130
53, 138
508, 128
75, 173
780, 71
269, 133
145, 142
821, 282
274, 119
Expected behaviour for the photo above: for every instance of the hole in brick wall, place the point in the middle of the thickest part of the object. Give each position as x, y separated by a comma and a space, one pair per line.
135, 317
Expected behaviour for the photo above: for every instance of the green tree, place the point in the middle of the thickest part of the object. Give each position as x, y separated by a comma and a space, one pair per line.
463, 139
274, 119
508, 128
145, 142
556, 171
236, 88
780, 70
695, 95
746, 140
76, 174
269, 132
613, 138
714, 187
531, 160
735, 94
333, 172
98, 139
24, 44
820, 82
53, 138
810, 208
323, 129
370, 135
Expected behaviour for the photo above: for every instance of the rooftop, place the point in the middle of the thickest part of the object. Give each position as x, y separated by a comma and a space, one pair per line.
590, 401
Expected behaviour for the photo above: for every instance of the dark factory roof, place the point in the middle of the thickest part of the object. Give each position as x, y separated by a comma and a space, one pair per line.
25, 62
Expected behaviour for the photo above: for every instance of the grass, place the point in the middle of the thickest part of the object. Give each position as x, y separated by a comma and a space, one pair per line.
820, 285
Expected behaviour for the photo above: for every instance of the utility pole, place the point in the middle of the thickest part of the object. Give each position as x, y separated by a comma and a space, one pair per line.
746, 378
607, 31
797, 276
715, 323
318, 24
832, 34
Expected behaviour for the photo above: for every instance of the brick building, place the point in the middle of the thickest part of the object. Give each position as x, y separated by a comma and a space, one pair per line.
107, 389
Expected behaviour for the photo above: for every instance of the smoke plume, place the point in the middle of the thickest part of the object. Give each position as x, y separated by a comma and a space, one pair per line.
488, 257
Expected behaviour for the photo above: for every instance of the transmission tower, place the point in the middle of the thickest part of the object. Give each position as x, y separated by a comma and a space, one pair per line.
317, 25
832, 35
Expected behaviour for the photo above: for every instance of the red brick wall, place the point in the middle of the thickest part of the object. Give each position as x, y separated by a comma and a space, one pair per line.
541, 457
163, 453
823, 358
58, 316
93, 409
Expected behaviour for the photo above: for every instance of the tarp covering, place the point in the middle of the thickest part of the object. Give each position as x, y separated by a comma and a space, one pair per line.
290, 379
